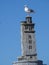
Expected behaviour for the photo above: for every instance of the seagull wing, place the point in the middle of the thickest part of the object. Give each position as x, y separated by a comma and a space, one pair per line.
30, 10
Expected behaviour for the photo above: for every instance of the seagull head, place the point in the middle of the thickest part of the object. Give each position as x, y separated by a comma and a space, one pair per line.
25, 8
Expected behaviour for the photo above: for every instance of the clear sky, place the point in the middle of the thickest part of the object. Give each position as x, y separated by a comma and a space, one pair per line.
11, 14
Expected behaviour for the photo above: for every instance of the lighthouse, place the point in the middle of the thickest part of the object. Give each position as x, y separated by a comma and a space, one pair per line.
28, 43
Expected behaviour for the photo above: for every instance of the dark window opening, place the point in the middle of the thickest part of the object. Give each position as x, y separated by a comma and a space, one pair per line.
30, 28
30, 47
30, 36
30, 56
30, 41
26, 27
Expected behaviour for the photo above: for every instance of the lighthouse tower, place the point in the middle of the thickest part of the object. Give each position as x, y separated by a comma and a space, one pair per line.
28, 44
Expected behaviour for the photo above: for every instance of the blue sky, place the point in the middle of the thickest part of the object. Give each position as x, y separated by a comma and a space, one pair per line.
11, 14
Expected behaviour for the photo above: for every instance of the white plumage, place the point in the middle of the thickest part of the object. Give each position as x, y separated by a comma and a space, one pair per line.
28, 10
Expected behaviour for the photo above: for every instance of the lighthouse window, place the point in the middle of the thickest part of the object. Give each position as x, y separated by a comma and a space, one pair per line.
30, 47
30, 56
26, 27
30, 36
30, 41
30, 28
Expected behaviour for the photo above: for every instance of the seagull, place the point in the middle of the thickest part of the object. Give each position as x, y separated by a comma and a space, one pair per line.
28, 10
